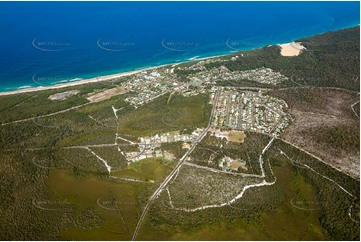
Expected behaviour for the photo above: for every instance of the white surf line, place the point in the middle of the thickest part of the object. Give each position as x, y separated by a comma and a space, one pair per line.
109, 168
219, 171
327, 178
354, 109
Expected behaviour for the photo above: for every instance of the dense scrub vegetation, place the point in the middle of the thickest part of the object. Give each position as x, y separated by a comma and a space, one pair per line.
334, 202
343, 138
306, 203
27, 105
330, 60
159, 117
211, 150
37, 170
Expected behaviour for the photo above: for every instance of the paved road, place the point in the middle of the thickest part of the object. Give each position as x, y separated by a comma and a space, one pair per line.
176, 169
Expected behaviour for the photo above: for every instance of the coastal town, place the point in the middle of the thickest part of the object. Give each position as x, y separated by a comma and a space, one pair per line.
150, 147
148, 85
184, 121
249, 110
234, 109
260, 75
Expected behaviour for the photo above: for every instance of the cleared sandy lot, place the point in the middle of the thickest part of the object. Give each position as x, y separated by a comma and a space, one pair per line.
107, 94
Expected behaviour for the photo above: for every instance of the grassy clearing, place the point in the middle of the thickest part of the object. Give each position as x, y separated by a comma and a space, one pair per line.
105, 209
84, 193
22, 182
236, 136
152, 169
160, 117
333, 202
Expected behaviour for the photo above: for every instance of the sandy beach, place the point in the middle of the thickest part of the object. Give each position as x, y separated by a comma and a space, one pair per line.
288, 49
69, 84
291, 49
100, 78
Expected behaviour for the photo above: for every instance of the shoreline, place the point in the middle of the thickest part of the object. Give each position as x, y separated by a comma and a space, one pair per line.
102, 78
128, 73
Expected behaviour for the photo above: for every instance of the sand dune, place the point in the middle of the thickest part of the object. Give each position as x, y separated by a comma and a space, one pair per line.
291, 49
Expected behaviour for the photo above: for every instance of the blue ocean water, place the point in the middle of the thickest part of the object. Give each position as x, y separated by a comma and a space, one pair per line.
43, 43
